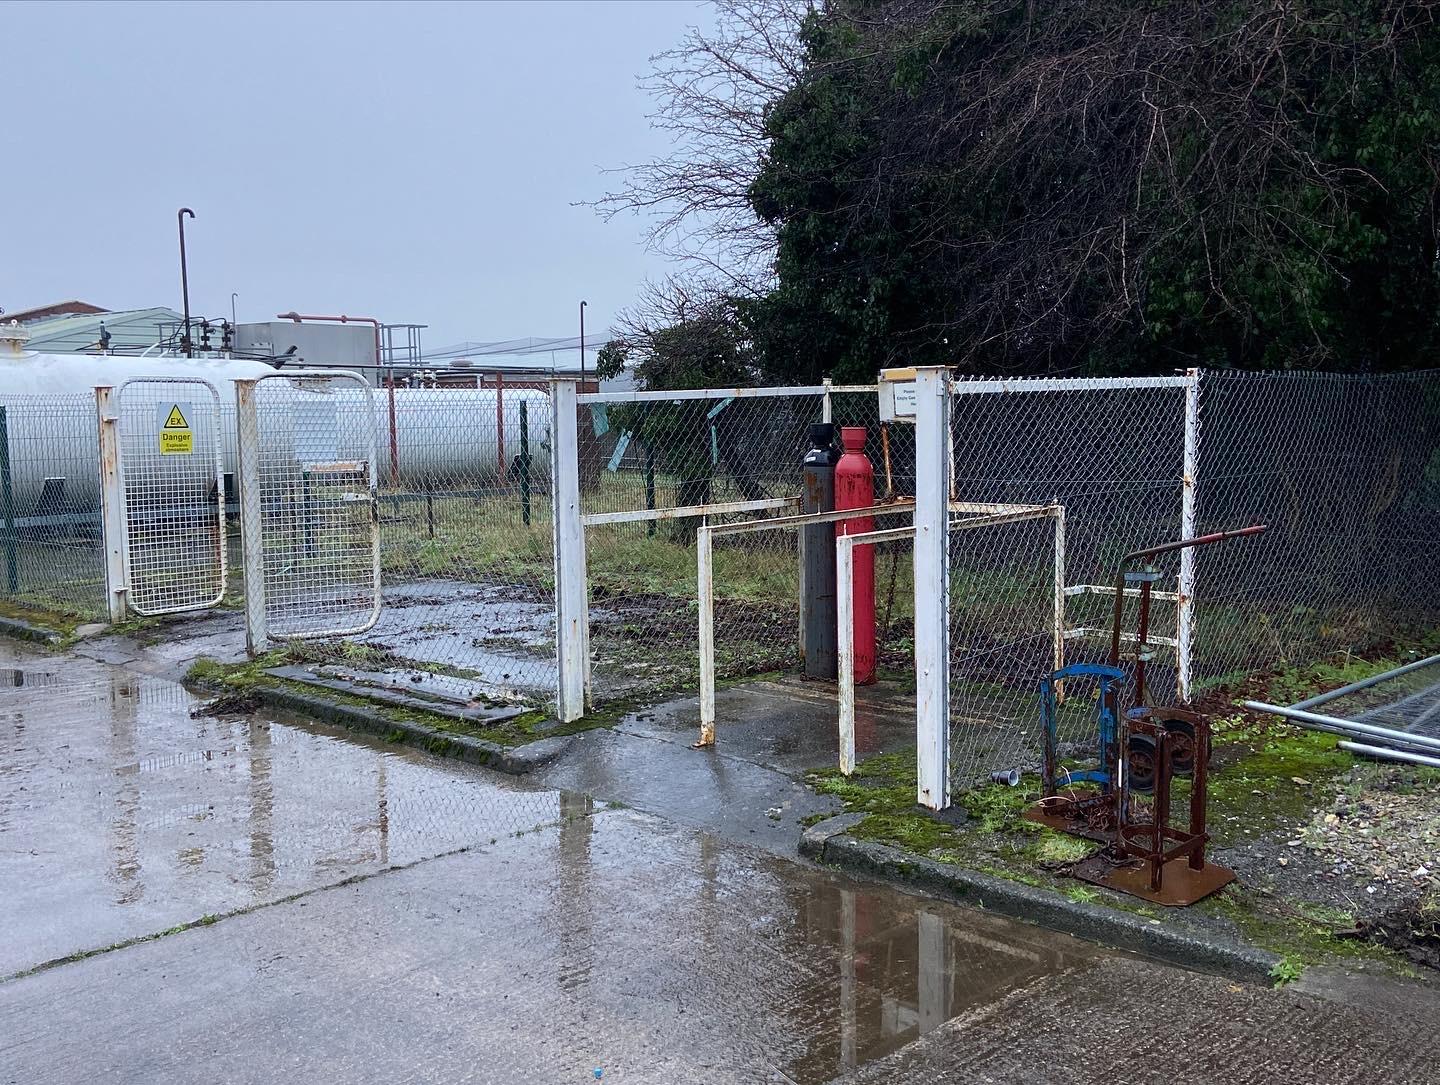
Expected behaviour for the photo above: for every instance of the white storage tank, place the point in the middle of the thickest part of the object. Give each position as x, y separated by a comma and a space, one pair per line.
442, 436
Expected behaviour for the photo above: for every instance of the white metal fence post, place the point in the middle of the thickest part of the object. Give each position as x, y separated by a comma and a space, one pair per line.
572, 640
1059, 619
932, 586
1185, 585
112, 504
705, 578
845, 647
252, 552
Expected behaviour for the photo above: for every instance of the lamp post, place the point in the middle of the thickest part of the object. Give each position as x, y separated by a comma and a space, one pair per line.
582, 345
185, 282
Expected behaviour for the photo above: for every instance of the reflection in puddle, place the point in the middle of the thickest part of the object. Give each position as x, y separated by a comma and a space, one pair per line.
120, 814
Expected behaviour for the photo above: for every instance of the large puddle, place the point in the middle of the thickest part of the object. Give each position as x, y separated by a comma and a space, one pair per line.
122, 815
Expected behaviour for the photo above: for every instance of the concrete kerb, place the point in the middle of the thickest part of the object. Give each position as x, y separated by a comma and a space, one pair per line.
828, 843
515, 760
23, 630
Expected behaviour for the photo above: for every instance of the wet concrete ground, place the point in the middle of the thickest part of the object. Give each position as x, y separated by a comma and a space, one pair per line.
388, 917
121, 815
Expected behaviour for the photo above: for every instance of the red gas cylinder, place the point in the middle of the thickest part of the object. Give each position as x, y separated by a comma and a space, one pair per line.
855, 489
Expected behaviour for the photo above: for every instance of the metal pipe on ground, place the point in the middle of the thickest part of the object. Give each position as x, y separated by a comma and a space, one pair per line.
1348, 728
1385, 753
1366, 683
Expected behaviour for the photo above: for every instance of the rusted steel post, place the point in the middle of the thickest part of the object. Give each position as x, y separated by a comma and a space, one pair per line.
1199, 784
500, 426
394, 435
1160, 821
7, 508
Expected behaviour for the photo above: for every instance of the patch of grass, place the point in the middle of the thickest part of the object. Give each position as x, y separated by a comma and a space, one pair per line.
1303, 934
998, 807
1287, 970
1059, 848
1082, 894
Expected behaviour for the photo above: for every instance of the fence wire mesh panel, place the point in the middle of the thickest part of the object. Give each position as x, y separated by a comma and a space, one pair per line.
466, 537
1003, 636
1345, 470
52, 555
173, 478
643, 459
889, 445
1112, 455
315, 467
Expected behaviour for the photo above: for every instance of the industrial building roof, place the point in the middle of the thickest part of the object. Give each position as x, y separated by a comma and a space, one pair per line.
131, 331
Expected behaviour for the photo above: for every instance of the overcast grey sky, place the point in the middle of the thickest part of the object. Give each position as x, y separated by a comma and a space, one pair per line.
411, 161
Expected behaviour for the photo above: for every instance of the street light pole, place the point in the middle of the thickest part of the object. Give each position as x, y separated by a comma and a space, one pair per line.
185, 282
582, 345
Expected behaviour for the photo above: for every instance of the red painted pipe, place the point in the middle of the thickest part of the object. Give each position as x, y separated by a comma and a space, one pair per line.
855, 489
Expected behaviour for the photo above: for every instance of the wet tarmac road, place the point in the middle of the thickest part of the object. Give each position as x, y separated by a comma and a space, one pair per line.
388, 917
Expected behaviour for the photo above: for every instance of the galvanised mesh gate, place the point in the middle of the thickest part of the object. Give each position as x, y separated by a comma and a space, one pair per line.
308, 505
172, 475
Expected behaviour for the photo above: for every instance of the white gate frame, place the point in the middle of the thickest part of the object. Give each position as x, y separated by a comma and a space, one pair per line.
990, 515
114, 516
933, 468
572, 590
705, 581
247, 430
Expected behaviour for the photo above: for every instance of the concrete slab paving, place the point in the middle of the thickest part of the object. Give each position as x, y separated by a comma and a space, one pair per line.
1143, 1023
618, 942
786, 724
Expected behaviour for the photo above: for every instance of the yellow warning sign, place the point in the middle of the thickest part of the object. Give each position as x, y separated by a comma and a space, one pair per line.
176, 436
177, 442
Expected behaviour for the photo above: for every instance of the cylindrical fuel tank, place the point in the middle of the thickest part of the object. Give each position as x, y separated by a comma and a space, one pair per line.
441, 436
855, 489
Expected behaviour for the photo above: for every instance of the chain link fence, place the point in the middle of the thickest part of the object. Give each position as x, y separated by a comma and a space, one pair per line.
1345, 470
653, 467
1006, 592
51, 553
1112, 454
467, 559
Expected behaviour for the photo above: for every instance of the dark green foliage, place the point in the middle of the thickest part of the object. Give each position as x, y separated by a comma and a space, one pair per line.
1104, 186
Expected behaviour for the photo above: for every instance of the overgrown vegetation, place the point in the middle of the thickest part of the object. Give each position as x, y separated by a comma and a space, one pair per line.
1014, 187
1267, 778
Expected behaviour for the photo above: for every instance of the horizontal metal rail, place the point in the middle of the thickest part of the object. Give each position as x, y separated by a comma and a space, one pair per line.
701, 393
1109, 589
680, 512
782, 522
1365, 683
982, 386
1349, 728
1389, 754
1090, 632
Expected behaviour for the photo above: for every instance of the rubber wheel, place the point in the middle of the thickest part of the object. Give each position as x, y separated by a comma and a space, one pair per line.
1182, 746
1141, 750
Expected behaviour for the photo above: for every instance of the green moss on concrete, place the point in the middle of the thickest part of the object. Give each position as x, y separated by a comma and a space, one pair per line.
1302, 934
248, 676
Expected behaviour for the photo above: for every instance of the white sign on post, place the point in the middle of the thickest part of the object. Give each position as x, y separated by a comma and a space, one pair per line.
897, 395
